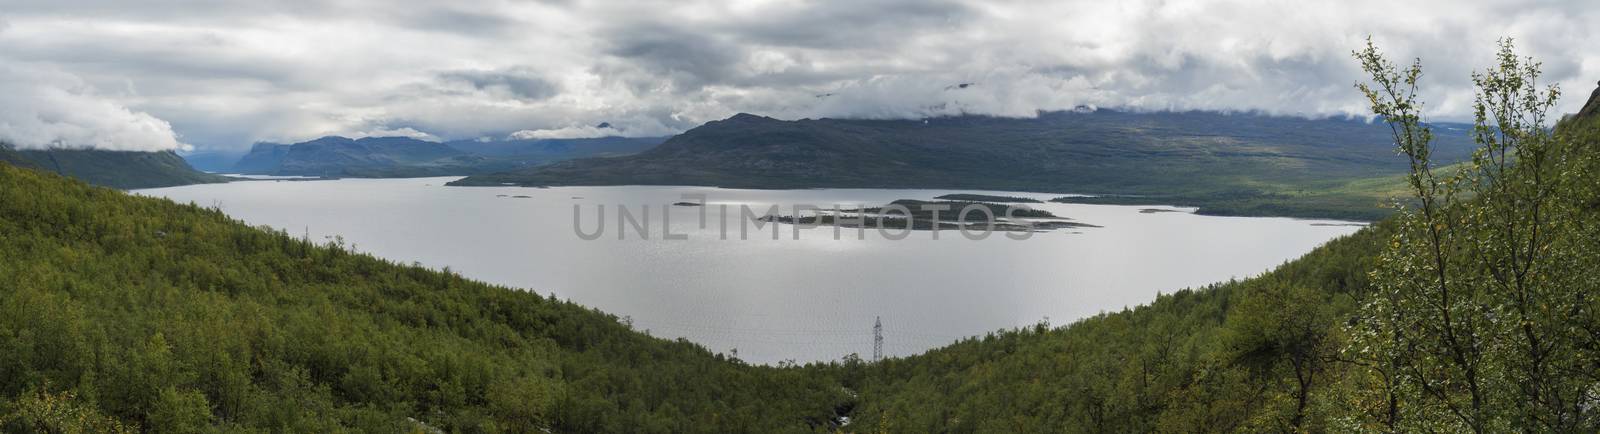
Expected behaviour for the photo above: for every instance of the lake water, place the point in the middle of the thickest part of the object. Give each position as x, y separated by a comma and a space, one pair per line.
810, 299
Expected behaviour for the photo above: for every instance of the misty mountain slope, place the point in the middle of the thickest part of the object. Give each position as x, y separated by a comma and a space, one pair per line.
1079, 152
263, 159
213, 161
116, 169
12, 157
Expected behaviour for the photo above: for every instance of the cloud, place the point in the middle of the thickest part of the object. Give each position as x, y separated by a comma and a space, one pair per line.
397, 132
575, 132
517, 83
228, 73
52, 109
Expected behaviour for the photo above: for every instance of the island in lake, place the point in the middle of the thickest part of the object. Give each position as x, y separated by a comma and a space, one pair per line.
987, 198
924, 215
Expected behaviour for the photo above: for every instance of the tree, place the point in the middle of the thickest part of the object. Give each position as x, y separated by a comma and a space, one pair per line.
1478, 318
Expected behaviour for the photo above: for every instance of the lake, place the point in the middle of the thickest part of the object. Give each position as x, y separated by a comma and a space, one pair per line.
814, 298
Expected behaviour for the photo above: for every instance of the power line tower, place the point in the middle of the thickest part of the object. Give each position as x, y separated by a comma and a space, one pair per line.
877, 339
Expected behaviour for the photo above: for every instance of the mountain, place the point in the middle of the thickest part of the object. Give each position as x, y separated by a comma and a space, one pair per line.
406, 157
339, 156
116, 169
213, 161
334, 156
263, 159
12, 157
1591, 108
1192, 154
558, 149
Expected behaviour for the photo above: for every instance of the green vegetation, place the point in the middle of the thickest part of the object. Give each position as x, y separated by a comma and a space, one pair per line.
923, 215
988, 198
1234, 164
115, 169
951, 210
1471, 310
1483, 317
405, 157
1368, 199
1224, 358
128, 311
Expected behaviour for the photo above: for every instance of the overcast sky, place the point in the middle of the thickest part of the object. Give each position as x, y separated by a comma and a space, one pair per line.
218, 74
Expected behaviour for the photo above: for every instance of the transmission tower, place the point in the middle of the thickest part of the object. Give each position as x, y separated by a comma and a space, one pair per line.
877, 339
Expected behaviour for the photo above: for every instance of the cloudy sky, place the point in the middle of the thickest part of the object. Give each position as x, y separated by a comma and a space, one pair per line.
219, 74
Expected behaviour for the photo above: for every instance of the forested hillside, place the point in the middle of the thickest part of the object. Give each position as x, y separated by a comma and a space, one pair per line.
393, 157
116, 169
130, 313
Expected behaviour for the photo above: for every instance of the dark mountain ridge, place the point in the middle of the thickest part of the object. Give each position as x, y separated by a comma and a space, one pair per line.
115, 169
263, 158
1100, 151
335, 156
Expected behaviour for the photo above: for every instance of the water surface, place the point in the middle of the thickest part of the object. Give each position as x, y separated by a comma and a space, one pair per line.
809, 299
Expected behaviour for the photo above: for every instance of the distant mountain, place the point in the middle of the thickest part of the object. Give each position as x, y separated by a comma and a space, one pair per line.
558, 149
213, 161
263, 159
339, 156
14, 158
406, 157
334, 156
1092, 151
116, 169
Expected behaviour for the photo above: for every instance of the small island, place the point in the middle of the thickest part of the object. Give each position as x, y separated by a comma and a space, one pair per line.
923, 216
988, 198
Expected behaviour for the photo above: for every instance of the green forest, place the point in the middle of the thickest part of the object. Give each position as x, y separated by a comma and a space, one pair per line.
1469, 310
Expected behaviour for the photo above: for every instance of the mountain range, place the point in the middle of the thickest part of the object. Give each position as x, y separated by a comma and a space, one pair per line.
1188, 158
335, 156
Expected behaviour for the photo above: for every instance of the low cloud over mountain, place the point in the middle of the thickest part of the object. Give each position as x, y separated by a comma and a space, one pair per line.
47, 108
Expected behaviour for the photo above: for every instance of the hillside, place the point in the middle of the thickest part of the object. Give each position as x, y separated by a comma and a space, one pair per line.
1302, 348
136, 312
209, 322
1591, 108
146, 313
116, 169
14, 158
335, 156
1184, 157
